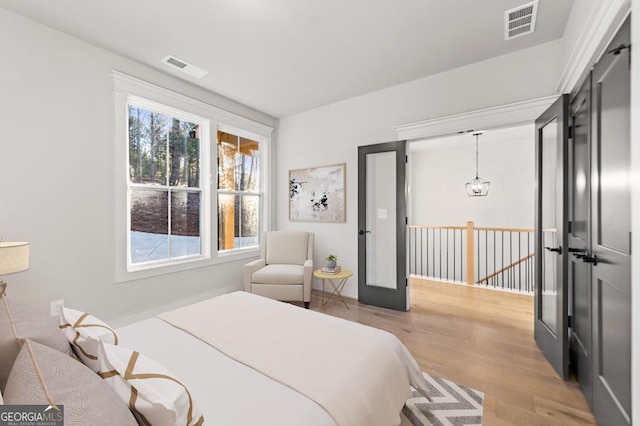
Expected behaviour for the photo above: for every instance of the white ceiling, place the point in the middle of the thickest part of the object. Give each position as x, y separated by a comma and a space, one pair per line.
287, 56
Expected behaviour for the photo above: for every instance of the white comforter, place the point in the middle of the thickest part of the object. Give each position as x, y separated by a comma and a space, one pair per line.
358, 374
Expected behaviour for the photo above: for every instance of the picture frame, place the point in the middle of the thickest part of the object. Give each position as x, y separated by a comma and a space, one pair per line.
317, 194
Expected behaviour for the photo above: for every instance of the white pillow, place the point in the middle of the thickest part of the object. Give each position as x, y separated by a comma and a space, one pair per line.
84, 331
153, 393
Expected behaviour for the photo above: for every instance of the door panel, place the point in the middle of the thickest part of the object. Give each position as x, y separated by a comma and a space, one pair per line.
551, 301
611, 217
381, 219
579, 244
614, 202
382, 230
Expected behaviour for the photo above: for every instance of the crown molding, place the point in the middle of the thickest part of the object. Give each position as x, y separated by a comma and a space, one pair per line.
494, 117
600, 27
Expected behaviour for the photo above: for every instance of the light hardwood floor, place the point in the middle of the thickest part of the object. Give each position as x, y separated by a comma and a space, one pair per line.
482, 339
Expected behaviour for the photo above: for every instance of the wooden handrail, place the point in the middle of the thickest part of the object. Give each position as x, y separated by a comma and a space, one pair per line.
437, 227
481, 228
517, 262
488, 228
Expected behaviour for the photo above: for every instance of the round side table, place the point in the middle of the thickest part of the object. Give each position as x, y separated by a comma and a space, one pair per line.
337, 281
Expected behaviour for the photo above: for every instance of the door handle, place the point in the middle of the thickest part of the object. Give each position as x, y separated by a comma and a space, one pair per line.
362, 232
579, 253
555, 249
590, 259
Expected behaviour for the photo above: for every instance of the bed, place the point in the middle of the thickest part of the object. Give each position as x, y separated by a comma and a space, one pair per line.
249, 360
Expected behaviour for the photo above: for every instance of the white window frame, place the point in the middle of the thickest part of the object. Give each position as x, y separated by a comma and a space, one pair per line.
204, 189
130, 90
262, 143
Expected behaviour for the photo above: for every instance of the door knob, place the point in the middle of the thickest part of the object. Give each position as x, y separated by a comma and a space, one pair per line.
555, 249
362, 232
590, 259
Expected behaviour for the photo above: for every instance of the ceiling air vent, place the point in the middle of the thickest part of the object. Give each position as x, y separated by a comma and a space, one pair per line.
520, 21
183, 66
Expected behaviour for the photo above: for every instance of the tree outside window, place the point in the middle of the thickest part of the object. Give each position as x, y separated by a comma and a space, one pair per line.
164, 187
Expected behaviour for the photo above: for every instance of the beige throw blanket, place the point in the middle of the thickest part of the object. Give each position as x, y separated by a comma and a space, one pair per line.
358, 374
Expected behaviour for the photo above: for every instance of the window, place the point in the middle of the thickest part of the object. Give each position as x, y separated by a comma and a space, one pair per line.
238, 192
190, 179
165, 207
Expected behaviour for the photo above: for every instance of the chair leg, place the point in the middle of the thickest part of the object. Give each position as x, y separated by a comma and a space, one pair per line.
306, 305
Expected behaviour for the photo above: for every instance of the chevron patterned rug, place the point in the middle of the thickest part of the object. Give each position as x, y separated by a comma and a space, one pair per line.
451, 404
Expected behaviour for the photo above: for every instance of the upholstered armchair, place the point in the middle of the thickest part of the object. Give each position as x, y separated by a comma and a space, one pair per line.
284, 270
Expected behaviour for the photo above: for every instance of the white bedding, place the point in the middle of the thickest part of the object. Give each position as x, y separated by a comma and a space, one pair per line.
227, 392
231, 392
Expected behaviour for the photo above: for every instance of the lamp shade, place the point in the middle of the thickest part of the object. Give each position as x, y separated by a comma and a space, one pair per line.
14, 257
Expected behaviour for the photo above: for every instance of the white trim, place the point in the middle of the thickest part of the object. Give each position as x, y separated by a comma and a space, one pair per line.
494, 117
263, 169
127, 84
127, 87
601, 25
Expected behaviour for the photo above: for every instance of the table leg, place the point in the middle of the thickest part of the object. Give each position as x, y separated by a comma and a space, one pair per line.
323, 302
337, 289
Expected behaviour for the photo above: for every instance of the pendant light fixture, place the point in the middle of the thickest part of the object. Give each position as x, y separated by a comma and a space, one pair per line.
477, 187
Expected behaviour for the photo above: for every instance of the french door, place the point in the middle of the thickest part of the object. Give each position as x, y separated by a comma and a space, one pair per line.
583, 277
382, 225
610, 255
579, 245
551, 292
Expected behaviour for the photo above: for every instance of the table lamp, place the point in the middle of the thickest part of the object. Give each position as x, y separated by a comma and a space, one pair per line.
14, 257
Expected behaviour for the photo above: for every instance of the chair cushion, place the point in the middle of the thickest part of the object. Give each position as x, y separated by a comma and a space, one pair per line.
288, 247
279, 274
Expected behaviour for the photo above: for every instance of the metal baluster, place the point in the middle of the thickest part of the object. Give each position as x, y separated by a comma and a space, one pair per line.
519, 257
427, 253
415, 237
433, 252
502, 257
486, 252
478, 255
454, 255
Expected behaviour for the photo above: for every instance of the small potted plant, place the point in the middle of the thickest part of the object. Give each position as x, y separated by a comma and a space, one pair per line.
331, 261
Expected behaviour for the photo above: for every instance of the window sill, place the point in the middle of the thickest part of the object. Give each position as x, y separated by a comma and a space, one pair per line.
142, 272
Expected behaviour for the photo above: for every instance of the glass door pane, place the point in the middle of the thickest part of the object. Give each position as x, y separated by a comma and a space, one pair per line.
549, 177
381, 219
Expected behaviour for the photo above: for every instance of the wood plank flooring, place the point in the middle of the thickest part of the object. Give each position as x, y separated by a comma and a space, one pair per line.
482, 339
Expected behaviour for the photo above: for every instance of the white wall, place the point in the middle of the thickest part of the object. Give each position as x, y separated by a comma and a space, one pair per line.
438, 175
331, 134
57, 174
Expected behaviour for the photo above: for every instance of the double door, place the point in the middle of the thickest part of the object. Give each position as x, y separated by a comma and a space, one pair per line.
583, 292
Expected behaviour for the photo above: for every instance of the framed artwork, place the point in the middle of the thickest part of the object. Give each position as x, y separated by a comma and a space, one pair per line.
317, 194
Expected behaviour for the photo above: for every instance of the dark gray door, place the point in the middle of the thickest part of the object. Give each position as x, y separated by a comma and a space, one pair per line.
579, 242
551, 301
611, 236
382, 225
